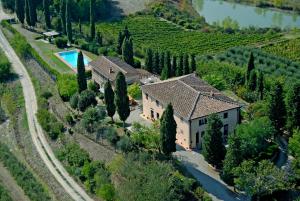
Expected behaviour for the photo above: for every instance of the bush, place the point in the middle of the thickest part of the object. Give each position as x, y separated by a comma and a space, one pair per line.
46, 95
92, 117
93, 86
49, 123
74, 101
107, 192
201, 194
69, 119
61, 42
2, 115
135, 91
87, 98
67, 86
5, 67
125, 144
74, 155
112, 136
4, 196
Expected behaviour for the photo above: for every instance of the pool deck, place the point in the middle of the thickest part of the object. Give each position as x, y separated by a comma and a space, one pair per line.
57, 54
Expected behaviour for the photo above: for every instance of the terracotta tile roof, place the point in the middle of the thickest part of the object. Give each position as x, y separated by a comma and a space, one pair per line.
191, 97
110, 66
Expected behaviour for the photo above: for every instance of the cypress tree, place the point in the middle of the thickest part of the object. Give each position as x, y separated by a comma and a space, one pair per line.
81, 79
80, 26
120, 42
168, 64
149, 60
233, 158
186, 69
127, 51
47, 13
19, 7
276, 107
63, 15
168, 128
179, 70
213, 148
99, 38
156, 63
126, 32
27, 12
161, 62
92, 19
252, 82
109, 98
174, 66
121, 98
293, 106
33, 15
250, 66
68, 22
193, 63
165, 73
260, 85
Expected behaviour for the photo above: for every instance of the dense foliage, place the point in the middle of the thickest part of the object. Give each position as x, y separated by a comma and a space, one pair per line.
24, 178
4, 196
67, 86
49, 123
5, 67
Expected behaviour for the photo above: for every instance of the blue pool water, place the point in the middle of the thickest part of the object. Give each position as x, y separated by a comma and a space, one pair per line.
71, 58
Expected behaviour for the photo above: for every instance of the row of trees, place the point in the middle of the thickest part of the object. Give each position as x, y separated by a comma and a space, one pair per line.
168, 66
125, 46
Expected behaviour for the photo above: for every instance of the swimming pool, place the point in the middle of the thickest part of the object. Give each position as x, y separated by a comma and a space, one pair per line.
70, 58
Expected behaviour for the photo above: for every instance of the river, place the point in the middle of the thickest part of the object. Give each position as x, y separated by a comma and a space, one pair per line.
245, 15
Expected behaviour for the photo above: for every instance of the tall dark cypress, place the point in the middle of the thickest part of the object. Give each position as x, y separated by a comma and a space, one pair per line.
252, 82
19, 8
179, 70
81, 79
47, 13
161, 62
186, 68
109, 97
27, 12
193, 64
293, 106
174, 66
121, 98
149, 60
126, 32
92, 19
32, 11
156, 63
68, 22
276, 107
250, 66
168, 128
120, 42
168, 64
127, 51
63, 15
261, 85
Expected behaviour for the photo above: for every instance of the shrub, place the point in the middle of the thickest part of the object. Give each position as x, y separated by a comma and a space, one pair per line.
86, 99
67, 86
4, 196
46, 95
2, 115
107, 192
135, 91
49, 123
125, 144
74, 155
5, 67
69, 119
91, 118
61, 42
74, 101
93, 86
112, 136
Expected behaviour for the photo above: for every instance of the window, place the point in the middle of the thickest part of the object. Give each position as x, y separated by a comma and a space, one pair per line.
225, 115
157, 102
202, 133
152, 114
226, 130
202, 121
157, 115
197, 138
147, 96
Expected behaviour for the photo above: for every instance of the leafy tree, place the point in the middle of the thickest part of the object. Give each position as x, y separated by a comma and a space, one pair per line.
179, 70
294, 144
92, 19
67, 86
87, 98
216, 81
81, 79
19, 8
91, 118
250, 66
186, 68
127, 51
109, 98
193, 63
261, 85
120, 42
161, 62
213, 148
47, 13
68, 22
156, 63
252, 82
233, 158
121, 98
63, 15
149, 60
134, 90
276, 107
262, 179
168, 128
293, 106
174, 66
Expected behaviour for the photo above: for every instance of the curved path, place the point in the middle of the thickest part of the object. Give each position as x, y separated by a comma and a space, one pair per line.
38, 138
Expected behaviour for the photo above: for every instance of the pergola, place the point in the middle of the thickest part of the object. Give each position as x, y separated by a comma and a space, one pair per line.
51, 34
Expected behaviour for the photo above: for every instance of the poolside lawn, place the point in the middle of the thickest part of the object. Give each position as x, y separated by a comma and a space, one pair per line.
47, 51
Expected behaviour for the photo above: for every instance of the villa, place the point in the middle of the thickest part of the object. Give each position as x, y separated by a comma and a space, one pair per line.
193, 101
106, 68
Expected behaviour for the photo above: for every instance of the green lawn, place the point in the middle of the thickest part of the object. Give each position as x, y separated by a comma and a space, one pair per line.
148, 31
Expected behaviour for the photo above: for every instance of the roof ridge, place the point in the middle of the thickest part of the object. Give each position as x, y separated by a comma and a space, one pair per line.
194, 106
107, 58
168, 80
187, 84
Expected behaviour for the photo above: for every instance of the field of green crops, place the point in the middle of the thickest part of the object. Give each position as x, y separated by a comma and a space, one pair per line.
268, 63
289, 49
148, 31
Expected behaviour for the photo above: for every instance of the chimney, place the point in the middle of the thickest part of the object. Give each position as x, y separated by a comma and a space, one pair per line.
111, 70
212, 93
